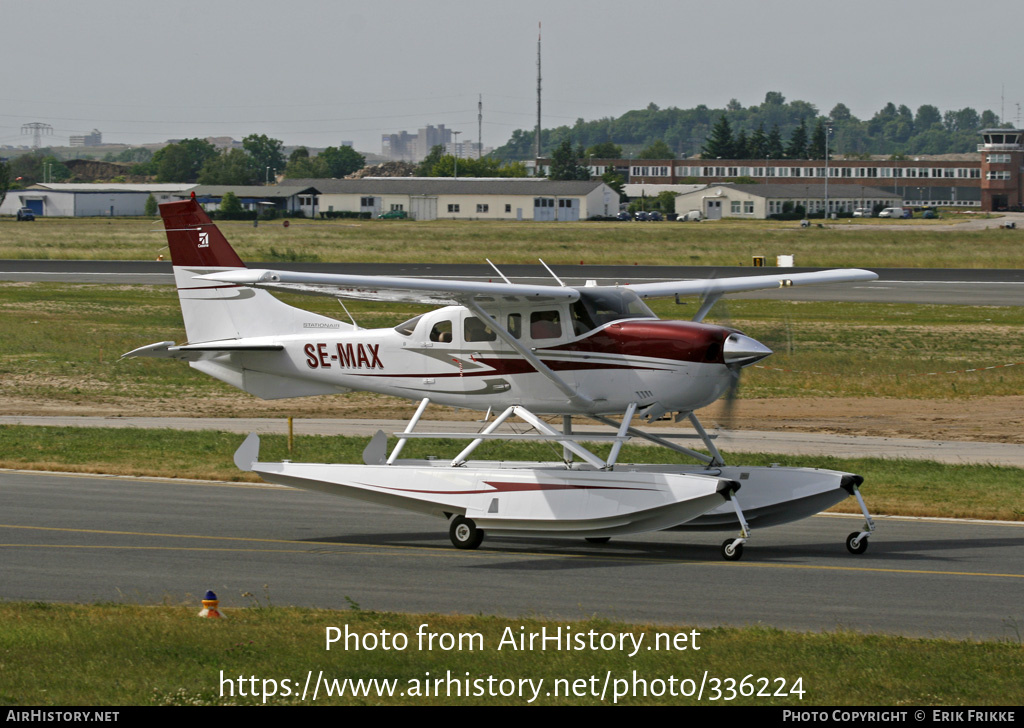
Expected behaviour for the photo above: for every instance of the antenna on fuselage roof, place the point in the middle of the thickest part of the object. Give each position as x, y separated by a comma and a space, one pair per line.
552, 273
349, 314
498, 271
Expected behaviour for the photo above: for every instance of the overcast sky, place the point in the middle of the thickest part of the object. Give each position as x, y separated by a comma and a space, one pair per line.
319, 72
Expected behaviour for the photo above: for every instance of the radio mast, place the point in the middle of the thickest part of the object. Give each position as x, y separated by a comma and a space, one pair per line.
538, 92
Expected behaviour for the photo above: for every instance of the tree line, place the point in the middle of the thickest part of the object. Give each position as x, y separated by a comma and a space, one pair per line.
892, 130
259, 160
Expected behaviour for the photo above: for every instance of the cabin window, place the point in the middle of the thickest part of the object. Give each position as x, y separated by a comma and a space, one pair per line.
515, 325
473, 329
442, 332
545, 325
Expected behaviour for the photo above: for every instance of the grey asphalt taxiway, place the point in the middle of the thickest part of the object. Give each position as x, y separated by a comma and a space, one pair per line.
967, 286
94, 538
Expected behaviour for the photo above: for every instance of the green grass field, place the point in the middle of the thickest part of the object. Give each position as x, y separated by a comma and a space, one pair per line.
722, 242
163, 655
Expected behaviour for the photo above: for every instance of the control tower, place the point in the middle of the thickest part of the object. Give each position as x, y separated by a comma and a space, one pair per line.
1002, 158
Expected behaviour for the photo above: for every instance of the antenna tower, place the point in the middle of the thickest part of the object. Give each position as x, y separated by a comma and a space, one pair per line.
538, 92
36, 129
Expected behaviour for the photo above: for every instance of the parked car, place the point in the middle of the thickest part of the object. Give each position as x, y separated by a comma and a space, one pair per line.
929, 214
393, 215
691, 216
624, 216
862, 212
25, 213
654, 215
642, 216
894, 212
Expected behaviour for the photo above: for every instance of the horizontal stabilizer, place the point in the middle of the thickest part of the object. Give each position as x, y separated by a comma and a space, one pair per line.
159, 350
193, 352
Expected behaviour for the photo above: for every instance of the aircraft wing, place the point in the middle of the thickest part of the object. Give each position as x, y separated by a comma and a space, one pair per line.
384, 288
736, 284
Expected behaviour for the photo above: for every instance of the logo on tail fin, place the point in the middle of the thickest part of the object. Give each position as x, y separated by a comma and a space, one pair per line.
204, 240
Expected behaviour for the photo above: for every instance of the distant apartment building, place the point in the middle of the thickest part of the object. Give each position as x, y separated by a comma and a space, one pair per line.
93, 139
467, 150
415, 147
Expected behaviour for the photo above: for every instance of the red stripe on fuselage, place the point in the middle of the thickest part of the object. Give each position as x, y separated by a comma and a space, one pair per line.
501, 367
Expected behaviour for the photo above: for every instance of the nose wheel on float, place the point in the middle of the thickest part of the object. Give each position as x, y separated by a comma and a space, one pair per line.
732, 548
857, 542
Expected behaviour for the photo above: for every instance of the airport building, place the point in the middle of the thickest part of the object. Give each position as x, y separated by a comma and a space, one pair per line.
759, 201
469, 198
89, 200
283, 198
989, 179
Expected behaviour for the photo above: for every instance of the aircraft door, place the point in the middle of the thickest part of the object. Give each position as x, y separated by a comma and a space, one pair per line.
478, 333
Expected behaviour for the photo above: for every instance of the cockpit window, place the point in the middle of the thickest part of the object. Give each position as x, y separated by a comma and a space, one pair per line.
473, 329
406, 328
442, 332
597, 307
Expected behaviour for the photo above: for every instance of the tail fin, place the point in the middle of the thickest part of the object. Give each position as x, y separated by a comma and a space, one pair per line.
216, 311
193, 238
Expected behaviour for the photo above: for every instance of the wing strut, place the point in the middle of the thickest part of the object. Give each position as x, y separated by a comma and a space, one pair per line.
577, 399
706, 304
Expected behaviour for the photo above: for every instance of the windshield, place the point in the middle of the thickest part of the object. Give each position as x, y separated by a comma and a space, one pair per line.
599, 306
406, 328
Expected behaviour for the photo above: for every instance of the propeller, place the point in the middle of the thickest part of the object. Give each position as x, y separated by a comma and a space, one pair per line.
738, 352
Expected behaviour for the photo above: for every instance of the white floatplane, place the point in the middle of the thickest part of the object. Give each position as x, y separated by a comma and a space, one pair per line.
526, 351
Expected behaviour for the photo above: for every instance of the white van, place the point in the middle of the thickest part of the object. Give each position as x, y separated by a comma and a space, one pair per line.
893, 212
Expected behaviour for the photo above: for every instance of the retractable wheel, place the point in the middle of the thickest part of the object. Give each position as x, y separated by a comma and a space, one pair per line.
464, 533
